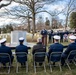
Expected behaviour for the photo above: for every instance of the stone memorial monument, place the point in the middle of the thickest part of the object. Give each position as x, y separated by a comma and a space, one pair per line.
15, 35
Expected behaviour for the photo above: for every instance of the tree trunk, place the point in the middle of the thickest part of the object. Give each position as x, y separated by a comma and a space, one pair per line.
28, 25
66, 24
34, 27
52, 24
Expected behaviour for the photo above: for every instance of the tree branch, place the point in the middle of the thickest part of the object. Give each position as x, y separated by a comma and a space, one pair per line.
3, 5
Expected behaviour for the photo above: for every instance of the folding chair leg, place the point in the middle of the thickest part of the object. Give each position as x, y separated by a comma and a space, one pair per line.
44, 67
17, 68
0, 65
74, 63
34, 67
60, 67
50, 66
8, 69
68, 65
26, 66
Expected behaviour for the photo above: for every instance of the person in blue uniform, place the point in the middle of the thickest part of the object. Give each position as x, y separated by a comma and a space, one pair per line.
39, 47
50, 36
55, 33
44, 36
5, 49
61, 36
71, 46
22, 48
56, 47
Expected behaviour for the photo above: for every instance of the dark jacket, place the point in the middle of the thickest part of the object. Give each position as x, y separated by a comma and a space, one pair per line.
44, 32
22, 48
39, 48
56, 47
5, 49
70, 47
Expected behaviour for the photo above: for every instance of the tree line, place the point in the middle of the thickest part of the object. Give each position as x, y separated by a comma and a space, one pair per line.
34, 7
6, 29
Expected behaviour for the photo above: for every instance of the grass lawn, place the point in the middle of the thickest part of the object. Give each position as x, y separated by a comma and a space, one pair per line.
40, 71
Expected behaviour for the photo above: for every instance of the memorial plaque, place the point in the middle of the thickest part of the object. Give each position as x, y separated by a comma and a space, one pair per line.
15, 35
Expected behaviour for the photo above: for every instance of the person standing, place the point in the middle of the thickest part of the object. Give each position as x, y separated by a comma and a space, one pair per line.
61, 36
44, 36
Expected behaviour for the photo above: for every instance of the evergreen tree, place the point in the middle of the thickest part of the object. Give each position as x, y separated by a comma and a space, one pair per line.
73, 20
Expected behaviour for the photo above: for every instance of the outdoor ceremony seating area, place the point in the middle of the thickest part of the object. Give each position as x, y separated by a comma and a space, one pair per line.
30, 62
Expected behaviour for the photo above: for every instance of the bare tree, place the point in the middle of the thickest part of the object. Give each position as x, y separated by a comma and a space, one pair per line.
40, 23
35, 7
54, 14
3, 4
20, 12
70, 7
29, 20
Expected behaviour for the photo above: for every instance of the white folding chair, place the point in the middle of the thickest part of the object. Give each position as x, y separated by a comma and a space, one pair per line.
20, 55
71, 57
55, 57
3, 57
41, 56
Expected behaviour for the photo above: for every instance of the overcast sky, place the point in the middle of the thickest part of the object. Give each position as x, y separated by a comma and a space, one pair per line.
5, 19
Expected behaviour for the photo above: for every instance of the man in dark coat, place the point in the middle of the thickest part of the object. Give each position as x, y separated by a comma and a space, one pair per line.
44, 36
56, 47
71, 46
5, 49
61, 36
39, 48
22, 48
50, 36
